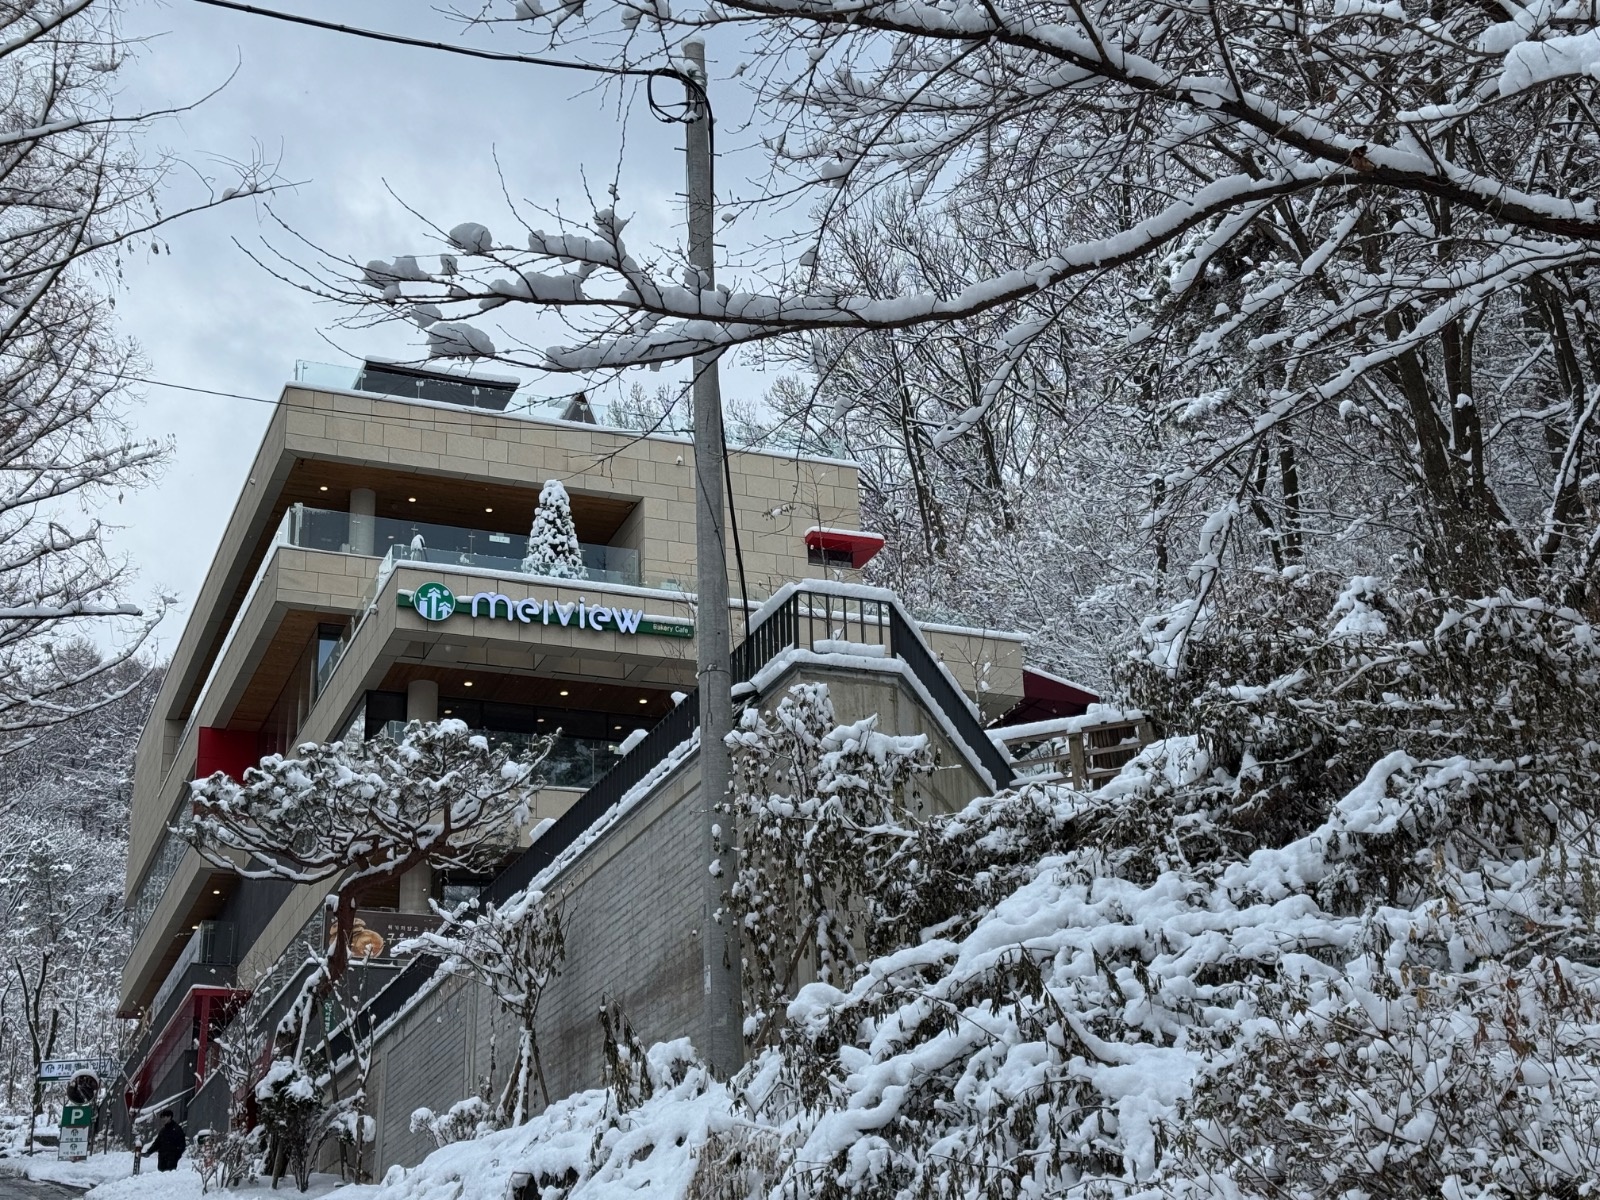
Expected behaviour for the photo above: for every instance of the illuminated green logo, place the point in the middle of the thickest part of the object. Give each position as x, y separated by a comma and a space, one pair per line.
433, 601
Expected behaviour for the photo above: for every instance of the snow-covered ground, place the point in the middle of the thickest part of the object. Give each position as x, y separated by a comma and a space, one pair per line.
45, 1167
184, 1184
583, 1145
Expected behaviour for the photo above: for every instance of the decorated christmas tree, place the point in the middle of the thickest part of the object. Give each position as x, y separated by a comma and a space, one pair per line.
553, 548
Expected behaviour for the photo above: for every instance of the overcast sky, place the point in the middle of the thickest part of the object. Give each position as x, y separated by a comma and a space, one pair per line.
350, 120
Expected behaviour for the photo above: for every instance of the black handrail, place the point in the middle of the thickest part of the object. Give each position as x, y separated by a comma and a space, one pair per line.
908, 647
677, 726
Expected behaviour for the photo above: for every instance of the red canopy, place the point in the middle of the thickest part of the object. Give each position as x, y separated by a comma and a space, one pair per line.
858, 544
1045, 697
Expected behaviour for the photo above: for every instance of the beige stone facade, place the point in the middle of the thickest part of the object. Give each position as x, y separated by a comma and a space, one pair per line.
241, 664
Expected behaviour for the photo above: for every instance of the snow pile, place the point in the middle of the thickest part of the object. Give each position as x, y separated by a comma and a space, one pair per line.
45, 1167
586, 1145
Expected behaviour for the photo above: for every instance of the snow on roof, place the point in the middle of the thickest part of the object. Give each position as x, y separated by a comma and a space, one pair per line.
1098, 715
845, 532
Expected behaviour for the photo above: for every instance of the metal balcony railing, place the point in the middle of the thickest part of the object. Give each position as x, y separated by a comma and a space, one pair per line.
153, 884
573, 762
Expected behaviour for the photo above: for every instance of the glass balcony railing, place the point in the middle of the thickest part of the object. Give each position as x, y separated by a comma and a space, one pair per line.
471, 389
426, 542
573, 762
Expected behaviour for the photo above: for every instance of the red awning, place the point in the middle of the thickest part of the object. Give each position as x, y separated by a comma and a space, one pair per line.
859, 544
1046, 697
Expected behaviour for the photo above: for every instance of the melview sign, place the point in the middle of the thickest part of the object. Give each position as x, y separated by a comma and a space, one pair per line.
435, 602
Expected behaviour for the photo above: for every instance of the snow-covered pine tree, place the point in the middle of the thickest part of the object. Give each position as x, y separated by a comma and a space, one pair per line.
553, 549
514, 950
355, 816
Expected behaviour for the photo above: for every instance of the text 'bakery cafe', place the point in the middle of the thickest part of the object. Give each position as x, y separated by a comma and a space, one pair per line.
435, 602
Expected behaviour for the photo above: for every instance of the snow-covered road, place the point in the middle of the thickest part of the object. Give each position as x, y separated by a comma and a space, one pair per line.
15, 1187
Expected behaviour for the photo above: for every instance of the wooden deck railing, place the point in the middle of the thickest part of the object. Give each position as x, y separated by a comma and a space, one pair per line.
1087, 750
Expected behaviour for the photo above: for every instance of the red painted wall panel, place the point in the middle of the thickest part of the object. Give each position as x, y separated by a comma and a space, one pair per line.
226, 750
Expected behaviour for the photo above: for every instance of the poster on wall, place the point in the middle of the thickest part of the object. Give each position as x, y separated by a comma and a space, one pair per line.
376, 931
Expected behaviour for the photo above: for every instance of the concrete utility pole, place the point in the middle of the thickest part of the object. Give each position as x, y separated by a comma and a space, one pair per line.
719, 944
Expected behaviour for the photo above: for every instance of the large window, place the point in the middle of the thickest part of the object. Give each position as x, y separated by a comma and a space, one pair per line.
585, 746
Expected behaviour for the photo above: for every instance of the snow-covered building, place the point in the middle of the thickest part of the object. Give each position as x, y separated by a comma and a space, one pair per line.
373, 572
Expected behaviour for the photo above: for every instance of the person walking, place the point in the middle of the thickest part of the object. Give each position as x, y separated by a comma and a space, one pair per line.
169, 1143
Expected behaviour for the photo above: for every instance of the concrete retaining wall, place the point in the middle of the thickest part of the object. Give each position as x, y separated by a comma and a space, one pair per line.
632, 909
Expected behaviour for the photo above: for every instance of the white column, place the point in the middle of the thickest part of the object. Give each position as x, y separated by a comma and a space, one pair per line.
422, 704
422, 700
416, 887
363, 520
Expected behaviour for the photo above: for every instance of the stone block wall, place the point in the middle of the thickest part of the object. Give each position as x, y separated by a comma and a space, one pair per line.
632, 910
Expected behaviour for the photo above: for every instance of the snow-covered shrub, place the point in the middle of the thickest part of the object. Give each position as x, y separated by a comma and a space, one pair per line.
514, 949
1340, 942
462, 1121
1406, 1082
629, 1075
226, 1158
1296, 688
553, 548
289, 1103
819, 808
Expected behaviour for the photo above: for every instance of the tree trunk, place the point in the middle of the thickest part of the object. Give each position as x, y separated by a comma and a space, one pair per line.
41, 1046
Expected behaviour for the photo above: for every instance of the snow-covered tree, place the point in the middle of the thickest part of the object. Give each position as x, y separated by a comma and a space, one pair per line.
553, 548
1333, 309
514, 949
63, 851
74, 199
355, 816
821, 808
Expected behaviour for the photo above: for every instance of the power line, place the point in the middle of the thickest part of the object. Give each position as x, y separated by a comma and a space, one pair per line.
397, 39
